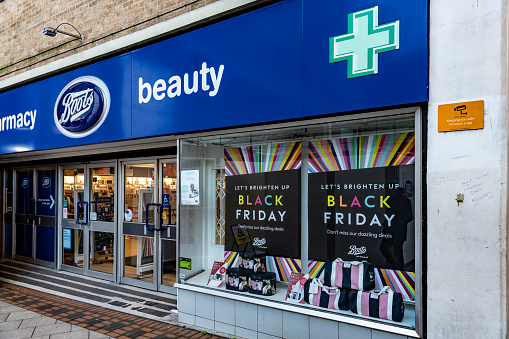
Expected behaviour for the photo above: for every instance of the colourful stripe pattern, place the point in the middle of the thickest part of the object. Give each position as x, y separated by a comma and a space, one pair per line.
146, 247
400, 281
315, 269
262, 158
231, 258
362, 152
283, 267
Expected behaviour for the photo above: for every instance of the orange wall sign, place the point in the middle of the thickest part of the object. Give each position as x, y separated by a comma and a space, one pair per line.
461, 116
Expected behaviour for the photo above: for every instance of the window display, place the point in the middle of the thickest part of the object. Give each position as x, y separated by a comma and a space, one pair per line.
354, 179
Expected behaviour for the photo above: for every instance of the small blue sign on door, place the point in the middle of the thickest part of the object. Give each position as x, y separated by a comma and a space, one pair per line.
166, 201
46, 192
66, 241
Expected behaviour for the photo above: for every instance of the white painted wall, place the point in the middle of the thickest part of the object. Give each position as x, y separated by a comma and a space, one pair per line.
466, 244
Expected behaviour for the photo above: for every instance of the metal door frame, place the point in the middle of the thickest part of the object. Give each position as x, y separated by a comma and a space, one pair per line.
5, 211
120, 211
34, 170
160, 286
87, 228
36, 185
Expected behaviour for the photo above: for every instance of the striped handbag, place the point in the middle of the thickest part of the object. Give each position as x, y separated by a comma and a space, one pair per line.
385, 304
317, 294
355, 275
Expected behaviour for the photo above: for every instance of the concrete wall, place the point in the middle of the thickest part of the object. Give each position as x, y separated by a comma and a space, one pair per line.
251, 321
467, 243
21, 23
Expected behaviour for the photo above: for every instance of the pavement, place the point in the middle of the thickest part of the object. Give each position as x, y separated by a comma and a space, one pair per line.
144, 303
40, 303
16, 322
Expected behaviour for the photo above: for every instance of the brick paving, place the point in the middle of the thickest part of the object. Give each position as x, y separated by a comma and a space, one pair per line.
94, 318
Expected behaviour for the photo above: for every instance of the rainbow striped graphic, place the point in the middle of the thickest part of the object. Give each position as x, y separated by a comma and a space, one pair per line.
262, 158
400, 281
315, 269
231, 258
146, 247
362, 152
283, 267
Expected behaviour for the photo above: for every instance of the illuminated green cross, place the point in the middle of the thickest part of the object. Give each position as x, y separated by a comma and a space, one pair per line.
365, 39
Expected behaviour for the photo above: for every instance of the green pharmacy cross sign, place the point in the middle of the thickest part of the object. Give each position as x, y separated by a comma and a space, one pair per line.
365, 39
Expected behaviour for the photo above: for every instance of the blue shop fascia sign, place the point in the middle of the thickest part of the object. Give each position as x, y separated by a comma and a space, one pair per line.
291, 60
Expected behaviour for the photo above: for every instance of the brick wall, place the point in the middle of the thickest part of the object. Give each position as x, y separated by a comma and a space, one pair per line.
23, 46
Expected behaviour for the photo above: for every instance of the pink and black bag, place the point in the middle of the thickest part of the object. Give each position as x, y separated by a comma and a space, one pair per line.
385, 304
355, 275
317, 294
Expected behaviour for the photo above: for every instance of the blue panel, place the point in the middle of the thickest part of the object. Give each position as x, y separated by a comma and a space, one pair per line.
24, 240
402, 76
33, 106
273, 64
260, 53
24, 193
8, 238
45, 243
46, 192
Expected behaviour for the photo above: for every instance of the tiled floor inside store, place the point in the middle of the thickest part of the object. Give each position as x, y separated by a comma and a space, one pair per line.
26, 313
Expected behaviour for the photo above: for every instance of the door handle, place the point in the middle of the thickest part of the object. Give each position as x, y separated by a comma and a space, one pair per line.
32, 204
160, 217
85, 212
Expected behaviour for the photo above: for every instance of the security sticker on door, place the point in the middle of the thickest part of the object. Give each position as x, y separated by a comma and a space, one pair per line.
128, 215
65, 213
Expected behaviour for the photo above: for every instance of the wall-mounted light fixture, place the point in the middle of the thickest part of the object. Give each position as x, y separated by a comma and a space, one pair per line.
53, 31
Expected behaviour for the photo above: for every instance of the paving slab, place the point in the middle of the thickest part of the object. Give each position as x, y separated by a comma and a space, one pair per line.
17, 334
75, 328
96, 335
60, 318
6, 308
52, 329
41, 321
83, 334
10, 325
21, 315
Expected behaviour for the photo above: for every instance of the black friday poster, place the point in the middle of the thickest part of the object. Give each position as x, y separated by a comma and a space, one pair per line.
265, 207
361, 214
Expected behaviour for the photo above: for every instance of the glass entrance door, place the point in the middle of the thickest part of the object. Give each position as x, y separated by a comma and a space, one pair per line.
168, 233
25, 215
87, 220
45, 220
139, 260
34, 230
149, 225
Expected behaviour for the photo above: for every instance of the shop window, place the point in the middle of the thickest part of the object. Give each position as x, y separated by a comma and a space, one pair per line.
329, 195
74, 181
102, 190
139, 191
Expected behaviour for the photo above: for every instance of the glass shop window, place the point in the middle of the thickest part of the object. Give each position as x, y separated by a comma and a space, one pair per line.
242, 227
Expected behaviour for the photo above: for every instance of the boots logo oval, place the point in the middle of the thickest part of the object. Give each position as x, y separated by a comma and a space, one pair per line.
25, 183
82, 106
46, 182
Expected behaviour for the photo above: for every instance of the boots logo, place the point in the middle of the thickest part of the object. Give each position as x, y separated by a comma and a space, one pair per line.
46, 182
82, 107
25, 183
354, 250
259, 242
